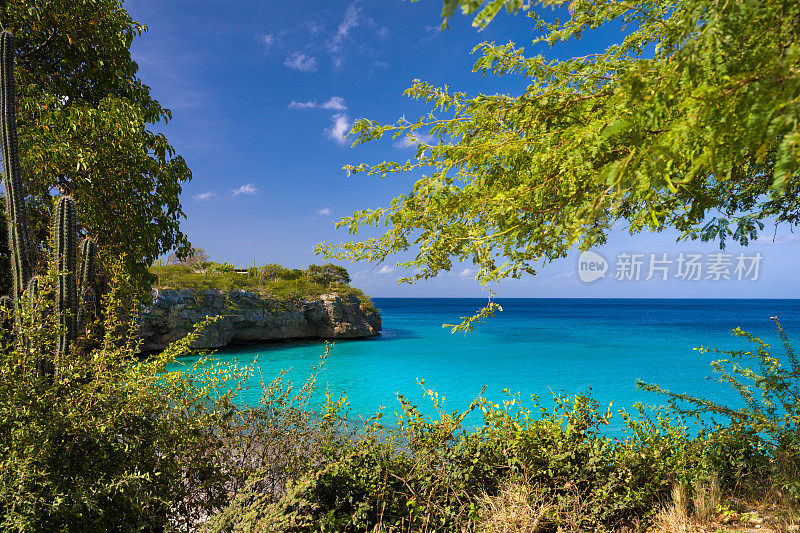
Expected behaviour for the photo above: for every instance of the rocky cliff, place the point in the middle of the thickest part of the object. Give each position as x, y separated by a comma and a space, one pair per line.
247, 317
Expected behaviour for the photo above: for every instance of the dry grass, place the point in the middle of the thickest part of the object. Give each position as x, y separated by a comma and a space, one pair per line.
674, 517
706, 499
520, 507
517, 509
762, 512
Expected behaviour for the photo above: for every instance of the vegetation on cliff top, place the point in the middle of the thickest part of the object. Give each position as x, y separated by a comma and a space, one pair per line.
198, 272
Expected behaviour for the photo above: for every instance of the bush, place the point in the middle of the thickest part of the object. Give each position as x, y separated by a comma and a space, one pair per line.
271, 271
763, 438
328, 274
112, 443
433, 474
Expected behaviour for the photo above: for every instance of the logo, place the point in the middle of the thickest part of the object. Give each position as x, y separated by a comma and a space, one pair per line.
591, 266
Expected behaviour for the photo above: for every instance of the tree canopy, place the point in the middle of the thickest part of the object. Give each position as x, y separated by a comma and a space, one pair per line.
195, 258
84, 119
690, 122
329, 274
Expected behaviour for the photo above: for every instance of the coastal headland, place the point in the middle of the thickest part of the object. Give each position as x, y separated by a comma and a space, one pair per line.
243, 317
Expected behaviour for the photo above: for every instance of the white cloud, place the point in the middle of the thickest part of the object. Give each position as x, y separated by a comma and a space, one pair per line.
414, 138
383, 32
385, 269
431, 33
467, 273
311, 104
350, 21
245, 189
204, 196
301, 62
313, 27
335, 103
351, 16
267, 41
340, 125
325, 211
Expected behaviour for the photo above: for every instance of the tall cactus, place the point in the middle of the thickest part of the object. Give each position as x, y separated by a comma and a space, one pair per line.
34, 292
16, 213
65, 237
85, 280
65, 232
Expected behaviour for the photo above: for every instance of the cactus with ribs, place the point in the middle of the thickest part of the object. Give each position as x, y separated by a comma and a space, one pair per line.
72, 284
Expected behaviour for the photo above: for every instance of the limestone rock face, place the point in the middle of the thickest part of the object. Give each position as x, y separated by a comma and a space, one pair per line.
246, 317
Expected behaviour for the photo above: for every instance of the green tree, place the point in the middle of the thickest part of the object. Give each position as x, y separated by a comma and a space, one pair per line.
328, 274
195, 258
84, 119
690, 122
291, 274
272, 271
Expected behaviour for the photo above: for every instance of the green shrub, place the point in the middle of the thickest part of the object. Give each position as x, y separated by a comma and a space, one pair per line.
271, 271
431, 474
328, 274
762, 438
112, 443
222, 268
271, 279
736, 455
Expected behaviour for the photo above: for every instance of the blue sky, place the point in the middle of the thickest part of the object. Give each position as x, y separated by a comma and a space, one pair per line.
263, 91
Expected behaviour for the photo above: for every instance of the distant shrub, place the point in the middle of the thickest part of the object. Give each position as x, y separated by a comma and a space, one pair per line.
195, 258
271, 271
292, 274
328, 274
222, 268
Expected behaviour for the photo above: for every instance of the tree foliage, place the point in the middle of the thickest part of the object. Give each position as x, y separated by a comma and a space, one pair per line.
85, 120
690, 122
328, 274
195, 258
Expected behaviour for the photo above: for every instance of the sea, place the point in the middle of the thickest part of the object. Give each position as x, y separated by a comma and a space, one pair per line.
533, 348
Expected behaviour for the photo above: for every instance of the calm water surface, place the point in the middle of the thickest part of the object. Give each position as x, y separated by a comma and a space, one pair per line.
533, 347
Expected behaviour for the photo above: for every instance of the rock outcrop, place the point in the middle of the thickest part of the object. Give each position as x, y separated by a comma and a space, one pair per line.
247, 317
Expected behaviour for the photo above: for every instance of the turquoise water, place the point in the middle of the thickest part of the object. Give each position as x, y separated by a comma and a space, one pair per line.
534, 346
